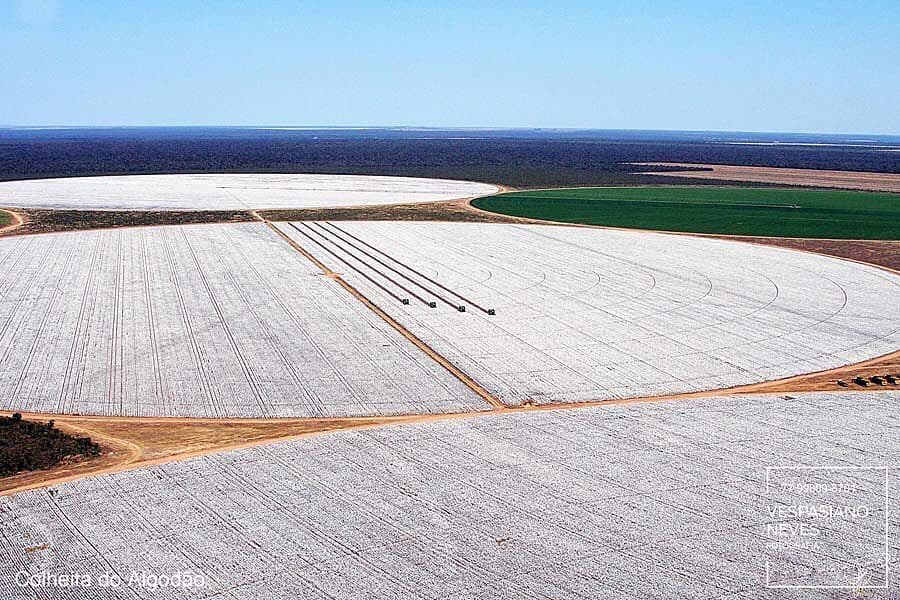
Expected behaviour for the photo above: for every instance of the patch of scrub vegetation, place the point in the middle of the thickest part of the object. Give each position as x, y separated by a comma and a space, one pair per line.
31, 446
5, 218
44, 220
726, 210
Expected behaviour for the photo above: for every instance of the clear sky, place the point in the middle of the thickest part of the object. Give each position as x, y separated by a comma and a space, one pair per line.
790, 65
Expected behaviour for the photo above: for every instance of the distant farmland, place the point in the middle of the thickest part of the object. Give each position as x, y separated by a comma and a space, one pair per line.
738, 211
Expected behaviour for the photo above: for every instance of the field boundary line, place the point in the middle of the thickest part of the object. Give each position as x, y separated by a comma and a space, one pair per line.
406, 333
135, 456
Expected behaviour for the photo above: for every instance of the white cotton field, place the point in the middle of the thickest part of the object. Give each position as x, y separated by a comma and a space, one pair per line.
203, 320
586, 314
644, 500
231, 321
231, 192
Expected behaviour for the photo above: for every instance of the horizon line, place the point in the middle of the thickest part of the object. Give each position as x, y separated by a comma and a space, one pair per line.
441, 128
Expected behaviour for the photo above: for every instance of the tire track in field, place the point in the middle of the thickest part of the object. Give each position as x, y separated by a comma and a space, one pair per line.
295, 374
247, 371
82, 374
63, 517
124, 497
404, 536
210, 510
23, 378
5, 290
162, 398
14, 313
270, 336
196, 351
64, 401
275, 504
114, 352
351, 389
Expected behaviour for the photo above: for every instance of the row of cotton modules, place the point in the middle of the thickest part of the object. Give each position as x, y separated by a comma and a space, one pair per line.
374, 265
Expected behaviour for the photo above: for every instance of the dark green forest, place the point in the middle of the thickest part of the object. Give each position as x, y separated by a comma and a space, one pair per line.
30, 445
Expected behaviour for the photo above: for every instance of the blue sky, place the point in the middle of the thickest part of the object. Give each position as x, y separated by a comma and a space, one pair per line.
791, 65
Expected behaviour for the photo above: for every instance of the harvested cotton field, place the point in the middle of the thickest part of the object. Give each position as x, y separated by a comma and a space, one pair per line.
643, 500
204, 320
588, 314
231, 192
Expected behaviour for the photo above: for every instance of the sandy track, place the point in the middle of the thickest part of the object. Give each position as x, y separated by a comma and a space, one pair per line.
129, 443
16, 221
853, 180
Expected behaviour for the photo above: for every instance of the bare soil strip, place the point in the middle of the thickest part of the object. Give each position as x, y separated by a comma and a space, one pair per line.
851, 180
29, 221
884, 254
134, 442
871, 375
451, 210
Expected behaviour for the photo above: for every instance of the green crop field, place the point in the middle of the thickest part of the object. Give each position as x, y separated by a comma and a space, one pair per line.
4, 218
738, 211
